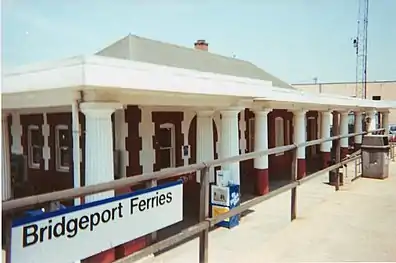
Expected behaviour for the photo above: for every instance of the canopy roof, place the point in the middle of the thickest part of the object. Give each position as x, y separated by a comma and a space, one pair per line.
98, 73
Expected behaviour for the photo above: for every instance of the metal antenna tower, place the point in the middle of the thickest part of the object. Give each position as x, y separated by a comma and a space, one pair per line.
360, 45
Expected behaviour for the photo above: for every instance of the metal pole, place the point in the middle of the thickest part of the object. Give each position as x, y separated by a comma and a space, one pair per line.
76, 148
203, 215
7, 235
293, 208
337, 147
153, 236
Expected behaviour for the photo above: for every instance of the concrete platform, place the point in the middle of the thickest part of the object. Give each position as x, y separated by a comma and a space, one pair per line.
357, 223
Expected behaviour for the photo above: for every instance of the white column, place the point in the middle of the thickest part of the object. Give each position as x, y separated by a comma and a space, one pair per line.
326, 118
146, 131
358, 127
261, 137
16, 130
6, 192
242, 129
300, 131
344, 128
371, 125
229, 142
205, 147
98, 145
385, 121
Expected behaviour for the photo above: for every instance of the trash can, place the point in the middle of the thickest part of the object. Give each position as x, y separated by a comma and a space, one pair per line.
375, 156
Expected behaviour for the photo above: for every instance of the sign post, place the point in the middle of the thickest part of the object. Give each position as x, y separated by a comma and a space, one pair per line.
78, 232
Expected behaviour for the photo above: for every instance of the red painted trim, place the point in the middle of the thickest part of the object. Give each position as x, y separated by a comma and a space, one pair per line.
262, 181
107, 256
326, 158
130, 247
301, 168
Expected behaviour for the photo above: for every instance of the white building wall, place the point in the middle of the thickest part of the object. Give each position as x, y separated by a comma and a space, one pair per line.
146, 132
188, 117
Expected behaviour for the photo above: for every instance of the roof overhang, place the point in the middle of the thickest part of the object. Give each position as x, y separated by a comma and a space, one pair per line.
55, 84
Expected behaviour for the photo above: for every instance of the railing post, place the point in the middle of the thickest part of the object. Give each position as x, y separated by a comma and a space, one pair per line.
294, 168
153, 235
203, 215
337, 160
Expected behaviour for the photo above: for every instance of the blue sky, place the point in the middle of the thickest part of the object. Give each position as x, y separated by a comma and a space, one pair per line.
295, 40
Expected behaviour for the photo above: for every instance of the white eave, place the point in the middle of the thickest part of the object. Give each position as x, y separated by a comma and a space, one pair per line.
110, 73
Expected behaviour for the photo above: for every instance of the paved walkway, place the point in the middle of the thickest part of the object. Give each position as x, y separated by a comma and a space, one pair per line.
357, 223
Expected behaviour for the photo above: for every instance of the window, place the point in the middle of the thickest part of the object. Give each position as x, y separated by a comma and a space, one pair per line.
62, 142
279, 133
376, 97
166, 141
251, 134
35, 149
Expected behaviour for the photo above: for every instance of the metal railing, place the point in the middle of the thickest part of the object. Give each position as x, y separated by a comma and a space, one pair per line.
202, 228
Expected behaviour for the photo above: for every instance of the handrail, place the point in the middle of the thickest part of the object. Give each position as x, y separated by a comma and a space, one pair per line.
202, 228
20, 203
210, 222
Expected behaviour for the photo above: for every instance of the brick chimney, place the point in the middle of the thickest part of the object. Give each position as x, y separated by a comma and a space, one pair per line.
201, 45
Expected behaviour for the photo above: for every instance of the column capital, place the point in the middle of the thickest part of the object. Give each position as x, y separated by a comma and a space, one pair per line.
326, 113
384, 111
231, 111
325, 110
261, 111
300, 112
98, 109
205, 113
344, 113
260, 108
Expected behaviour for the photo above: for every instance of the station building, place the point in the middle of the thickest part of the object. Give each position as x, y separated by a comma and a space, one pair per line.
140, 105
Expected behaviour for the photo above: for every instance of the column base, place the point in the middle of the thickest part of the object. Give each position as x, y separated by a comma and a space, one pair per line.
262, 181
344, 152
326, 159
301, 168
130, 247
107, 256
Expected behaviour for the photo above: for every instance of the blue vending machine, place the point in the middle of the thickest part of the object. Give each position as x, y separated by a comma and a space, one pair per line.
225, 195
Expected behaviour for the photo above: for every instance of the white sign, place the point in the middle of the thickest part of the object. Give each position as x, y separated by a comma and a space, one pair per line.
74, 233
